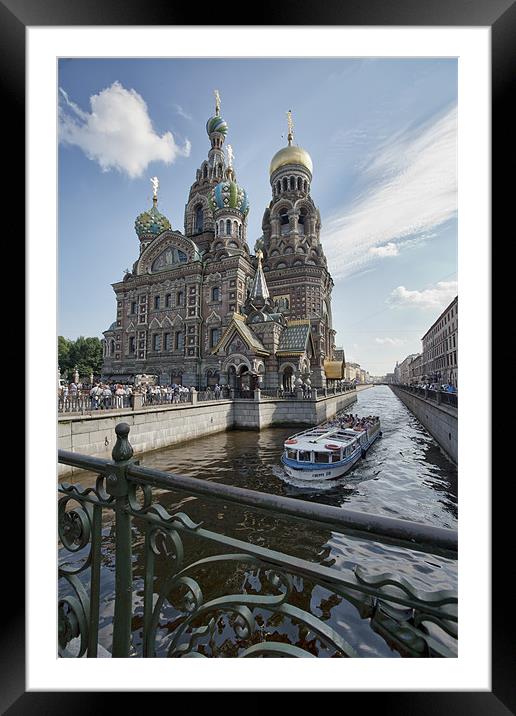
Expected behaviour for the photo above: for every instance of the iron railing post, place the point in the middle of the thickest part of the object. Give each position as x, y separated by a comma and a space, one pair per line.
116, 485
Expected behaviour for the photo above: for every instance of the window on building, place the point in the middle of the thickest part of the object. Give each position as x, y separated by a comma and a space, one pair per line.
284, 222
132, 344
179, 341
156, 301
168, 298
166, 341
133, 307
215, 293
228, 227
156, 342
301, 221
199, 218
214, 337
180, 298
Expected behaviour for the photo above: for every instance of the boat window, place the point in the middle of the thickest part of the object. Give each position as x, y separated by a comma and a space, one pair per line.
336, 456
291, 454
304, 456
322, 457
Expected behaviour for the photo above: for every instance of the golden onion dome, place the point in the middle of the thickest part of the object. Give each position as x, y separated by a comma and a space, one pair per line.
291, 155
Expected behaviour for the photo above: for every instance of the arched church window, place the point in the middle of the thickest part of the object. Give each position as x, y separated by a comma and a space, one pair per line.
285, 184
112, 347
235, 228
299, 183
199, 218
292, 183
284, 222
228, 227
215, 293
216, 229
180, 298
278, 187
301, 221
304, 186
240, 231
205, 172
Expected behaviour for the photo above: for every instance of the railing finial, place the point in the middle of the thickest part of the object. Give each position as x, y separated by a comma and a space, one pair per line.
122, 449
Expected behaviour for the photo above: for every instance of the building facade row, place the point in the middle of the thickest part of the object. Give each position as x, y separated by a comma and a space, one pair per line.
437, 362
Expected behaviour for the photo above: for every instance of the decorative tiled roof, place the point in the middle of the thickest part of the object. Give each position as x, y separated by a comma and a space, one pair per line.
246, 333
294, 338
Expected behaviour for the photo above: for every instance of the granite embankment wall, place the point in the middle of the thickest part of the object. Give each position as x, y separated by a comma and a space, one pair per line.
441, 421
161, 426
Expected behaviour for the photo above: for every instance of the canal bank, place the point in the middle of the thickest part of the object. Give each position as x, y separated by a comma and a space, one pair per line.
440, 420
161, 426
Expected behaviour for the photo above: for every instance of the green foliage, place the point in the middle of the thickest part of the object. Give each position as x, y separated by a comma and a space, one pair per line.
85, 353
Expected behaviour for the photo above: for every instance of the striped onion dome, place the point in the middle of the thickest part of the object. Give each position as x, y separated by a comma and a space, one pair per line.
216, 124
229, 195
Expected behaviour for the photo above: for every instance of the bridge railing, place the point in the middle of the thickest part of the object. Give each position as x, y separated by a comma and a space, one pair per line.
173, 611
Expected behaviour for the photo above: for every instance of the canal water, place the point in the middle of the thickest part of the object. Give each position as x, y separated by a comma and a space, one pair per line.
405, 475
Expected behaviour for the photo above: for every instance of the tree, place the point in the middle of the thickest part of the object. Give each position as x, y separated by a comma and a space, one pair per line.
84, 353
63, 354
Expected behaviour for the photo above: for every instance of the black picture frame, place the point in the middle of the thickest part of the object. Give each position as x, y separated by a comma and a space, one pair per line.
500, 16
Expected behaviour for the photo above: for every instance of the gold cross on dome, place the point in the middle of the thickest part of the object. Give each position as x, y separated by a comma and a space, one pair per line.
290, 126
217, 102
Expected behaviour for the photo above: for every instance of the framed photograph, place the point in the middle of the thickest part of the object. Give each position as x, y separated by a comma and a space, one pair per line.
174, 218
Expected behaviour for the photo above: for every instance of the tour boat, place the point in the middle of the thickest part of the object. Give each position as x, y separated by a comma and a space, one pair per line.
323, 452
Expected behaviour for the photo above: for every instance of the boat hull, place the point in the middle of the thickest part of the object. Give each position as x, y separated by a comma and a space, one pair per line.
332, 471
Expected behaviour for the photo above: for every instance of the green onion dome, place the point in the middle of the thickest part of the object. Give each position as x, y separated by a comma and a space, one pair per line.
216, 124
151, 223
229, 195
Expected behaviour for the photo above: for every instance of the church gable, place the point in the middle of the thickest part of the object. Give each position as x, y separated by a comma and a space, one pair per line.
238, 338
168, 251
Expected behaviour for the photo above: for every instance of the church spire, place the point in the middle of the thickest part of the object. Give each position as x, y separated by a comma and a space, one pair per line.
259, 288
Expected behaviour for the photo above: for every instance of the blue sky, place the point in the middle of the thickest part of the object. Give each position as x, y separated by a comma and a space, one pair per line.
382, 137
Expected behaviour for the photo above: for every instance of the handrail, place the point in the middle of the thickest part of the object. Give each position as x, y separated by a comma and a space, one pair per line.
413, 535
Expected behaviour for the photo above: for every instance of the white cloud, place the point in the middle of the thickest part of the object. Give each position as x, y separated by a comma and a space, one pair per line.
390, 341
437, 297
118, 132
412, 188
181, 112
389, 249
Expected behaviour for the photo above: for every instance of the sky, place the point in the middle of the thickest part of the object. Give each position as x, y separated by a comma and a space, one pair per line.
382, 134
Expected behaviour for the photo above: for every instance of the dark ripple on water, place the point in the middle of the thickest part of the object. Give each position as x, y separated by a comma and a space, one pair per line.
404, 475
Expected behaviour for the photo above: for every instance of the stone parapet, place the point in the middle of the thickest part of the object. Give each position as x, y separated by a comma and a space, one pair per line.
439, 419
161, 426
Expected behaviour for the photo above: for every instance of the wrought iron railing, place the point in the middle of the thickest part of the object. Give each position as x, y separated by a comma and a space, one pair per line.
87, 403
438, 396
169, 611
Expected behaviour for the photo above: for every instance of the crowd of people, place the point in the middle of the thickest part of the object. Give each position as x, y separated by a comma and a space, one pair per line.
348, 420
445, 387
106, 395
